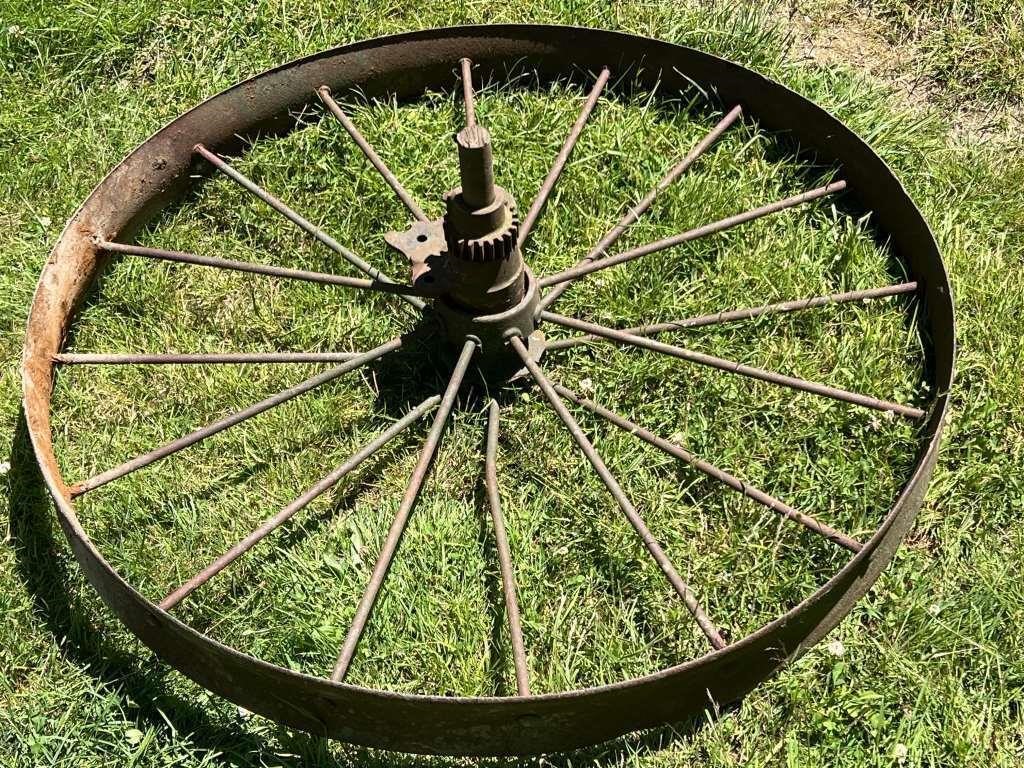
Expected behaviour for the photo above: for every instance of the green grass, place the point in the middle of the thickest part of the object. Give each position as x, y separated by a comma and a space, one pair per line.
925, 671
971, 48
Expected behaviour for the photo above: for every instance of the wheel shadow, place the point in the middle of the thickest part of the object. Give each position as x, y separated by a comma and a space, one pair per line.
42, 565
422, 368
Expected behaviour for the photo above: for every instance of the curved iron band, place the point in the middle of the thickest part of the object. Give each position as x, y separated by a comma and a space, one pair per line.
158, 171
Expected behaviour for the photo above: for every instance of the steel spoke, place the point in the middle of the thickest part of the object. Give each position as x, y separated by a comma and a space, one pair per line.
237, 418
692, 234
412, 492
202, 358
636, 211
324, 278
468, 99
712, 471
750, 313
508, 579
304, 224
652, 545
730, 366
561, 158
289, 511
371, 154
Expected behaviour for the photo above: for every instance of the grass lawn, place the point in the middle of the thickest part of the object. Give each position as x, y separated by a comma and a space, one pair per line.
927, 670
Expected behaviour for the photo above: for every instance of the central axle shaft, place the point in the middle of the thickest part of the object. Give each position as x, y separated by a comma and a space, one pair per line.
470, 261
485, 267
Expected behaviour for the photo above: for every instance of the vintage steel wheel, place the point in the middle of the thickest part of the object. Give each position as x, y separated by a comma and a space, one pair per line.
488, 304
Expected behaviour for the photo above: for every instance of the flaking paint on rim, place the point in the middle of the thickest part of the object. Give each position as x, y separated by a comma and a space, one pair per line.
158, 170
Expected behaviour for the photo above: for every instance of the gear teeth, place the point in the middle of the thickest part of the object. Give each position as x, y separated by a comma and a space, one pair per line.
494, 248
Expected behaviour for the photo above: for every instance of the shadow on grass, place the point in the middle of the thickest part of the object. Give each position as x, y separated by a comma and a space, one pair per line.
144, 682
422, 368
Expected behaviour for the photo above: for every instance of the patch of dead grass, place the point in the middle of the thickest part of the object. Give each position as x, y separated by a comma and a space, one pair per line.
851, 34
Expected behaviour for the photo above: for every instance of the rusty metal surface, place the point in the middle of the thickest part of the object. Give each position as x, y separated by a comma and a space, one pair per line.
732, 315
634, 212
730, 366
711, 470
423, 244
484, 266
562, 158
405, 509
323, 485
508, 576
691, 234
227, 422
371, 154
377, 284
403, 65
301, 222
632, 515
468, 97
201, 358
497, 361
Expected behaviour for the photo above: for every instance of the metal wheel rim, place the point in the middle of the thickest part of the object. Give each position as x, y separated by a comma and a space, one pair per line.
157, 172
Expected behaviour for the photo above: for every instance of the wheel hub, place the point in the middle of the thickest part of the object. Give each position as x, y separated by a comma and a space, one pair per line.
471, 258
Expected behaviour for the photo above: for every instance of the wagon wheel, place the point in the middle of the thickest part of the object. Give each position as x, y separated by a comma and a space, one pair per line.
472, 294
